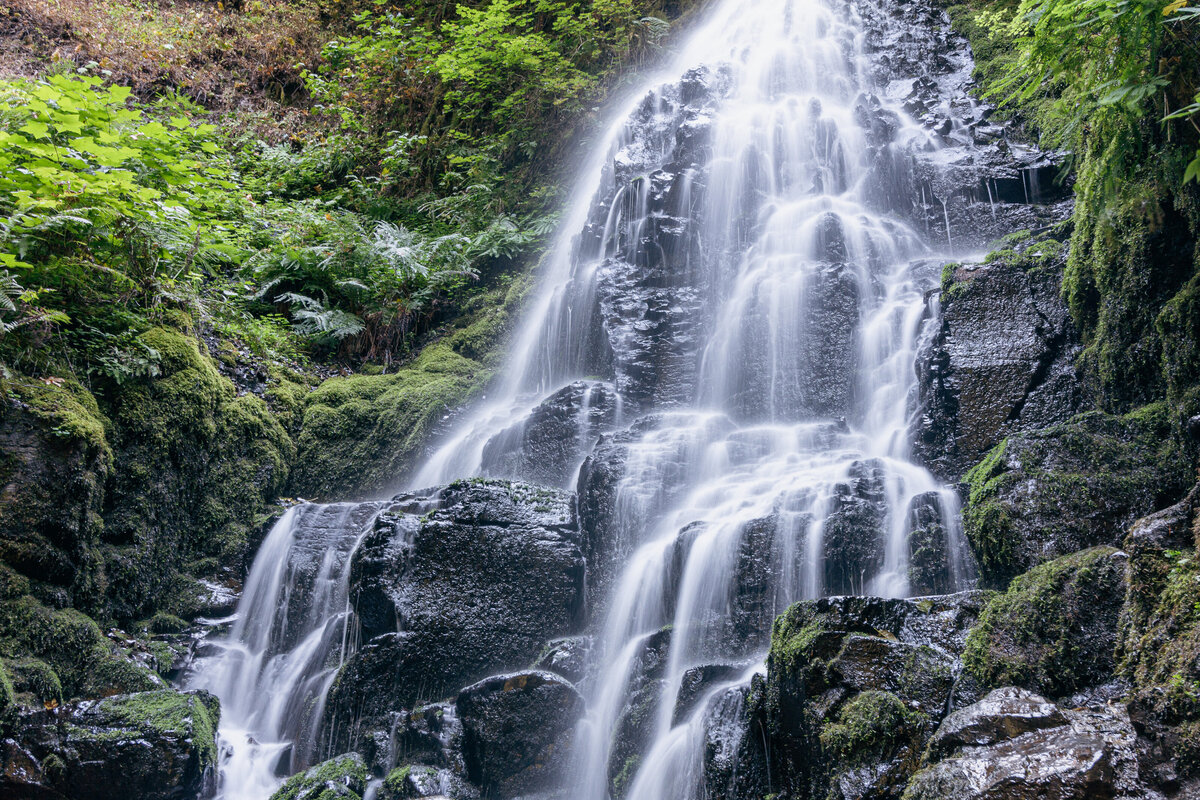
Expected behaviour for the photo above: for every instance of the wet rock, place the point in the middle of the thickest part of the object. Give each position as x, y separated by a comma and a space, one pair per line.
480, 583
1088, 756
930, 567
1001, 715
835, 662
853, 533
153, 745
421, 780
566, 657
620, 494
635, 724
1048, 493
343, 778
1055, 629
697, 682
547, 447
815, 375
517, 730
1000, 360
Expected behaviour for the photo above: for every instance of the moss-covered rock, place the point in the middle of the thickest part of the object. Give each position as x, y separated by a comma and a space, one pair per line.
871, 727
1054, 631
360, 435
54, 460
1159, 647
854, 687
194, 467
341, 778
82, 659
155, 745
1048, 493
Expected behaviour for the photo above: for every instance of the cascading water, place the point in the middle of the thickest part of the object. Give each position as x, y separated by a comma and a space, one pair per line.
745, 265
290, 634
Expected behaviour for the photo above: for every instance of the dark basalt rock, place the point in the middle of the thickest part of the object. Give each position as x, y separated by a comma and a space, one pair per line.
548, 446
636, 722
1001, 359
151, 746
1055, 629
1002, 715
1083, 756
697, 682
480, 583
929, 567
1048, 493
820, 366
517, 730
566, 657
853, 533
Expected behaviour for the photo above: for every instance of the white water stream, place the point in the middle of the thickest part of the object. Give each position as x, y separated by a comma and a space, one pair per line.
752, 181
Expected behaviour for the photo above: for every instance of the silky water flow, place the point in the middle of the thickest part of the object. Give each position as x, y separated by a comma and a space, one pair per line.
742, 265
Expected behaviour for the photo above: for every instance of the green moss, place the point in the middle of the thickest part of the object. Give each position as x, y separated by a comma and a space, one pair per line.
68, 410
1054, 630
871, 727
359, 435
163, 622
1051, 492
8, 700
170, 714
195, 466
37, 679
341, 778
71, 643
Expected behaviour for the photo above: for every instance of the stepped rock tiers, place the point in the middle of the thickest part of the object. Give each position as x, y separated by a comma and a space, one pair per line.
787, 491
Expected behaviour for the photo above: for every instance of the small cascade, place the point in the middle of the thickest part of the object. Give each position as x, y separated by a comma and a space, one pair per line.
291, 632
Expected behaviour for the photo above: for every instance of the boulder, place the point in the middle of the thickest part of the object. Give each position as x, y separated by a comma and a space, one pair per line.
854, 686
1034, 752
1000, 359
566, 657
547, 447
1043, 494
152, 746
1001, 715
517, 730
1055, 629
341, 778
480, 580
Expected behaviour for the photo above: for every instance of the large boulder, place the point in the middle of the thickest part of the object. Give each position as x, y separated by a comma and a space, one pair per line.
450, 588
854, 532
1017, 746
151, 746
1001, 357
517, 731
548, 446
1048, 493
1055, 629
855, 686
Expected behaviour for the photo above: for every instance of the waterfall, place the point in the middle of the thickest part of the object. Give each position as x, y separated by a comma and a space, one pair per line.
288, 637
744, 264
742, 261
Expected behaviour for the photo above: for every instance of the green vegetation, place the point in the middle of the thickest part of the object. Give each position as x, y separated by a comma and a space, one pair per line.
1110, 84
336, 779
1054, 631
872, 726
170, 714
